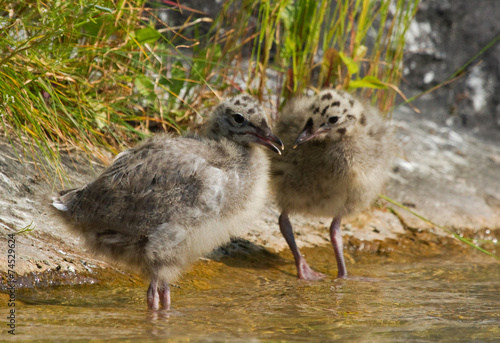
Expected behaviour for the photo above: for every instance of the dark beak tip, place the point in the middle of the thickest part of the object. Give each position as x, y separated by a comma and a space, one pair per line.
282, 146
307, 135
279, 143
270, 141
273, 147
304, 137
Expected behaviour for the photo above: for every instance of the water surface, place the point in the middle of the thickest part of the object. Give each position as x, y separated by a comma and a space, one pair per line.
418, 300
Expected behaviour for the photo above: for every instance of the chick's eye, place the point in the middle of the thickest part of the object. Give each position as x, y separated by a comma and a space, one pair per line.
238, 118
333, 120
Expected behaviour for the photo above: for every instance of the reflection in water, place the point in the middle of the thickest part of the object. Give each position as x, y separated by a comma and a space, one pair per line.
424, 300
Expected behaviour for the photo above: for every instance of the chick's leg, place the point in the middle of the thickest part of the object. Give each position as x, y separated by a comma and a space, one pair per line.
338, 248
153, 295
303, 270
164, 293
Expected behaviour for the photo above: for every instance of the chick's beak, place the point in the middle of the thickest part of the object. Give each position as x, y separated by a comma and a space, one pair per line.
269, 140
308, 134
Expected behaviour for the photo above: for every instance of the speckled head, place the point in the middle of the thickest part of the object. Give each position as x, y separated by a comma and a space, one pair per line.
243, 120
333, 114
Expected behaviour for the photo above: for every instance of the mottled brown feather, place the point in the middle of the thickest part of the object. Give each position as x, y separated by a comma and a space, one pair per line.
337, 173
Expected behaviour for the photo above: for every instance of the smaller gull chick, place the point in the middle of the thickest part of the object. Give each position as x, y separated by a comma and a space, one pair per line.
168, 201
341, 158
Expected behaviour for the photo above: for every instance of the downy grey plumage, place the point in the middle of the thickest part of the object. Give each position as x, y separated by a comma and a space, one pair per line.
340, 161
164, 203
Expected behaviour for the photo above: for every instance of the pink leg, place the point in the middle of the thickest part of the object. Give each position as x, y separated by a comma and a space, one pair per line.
338, 248
153, 296
158, 294
303, 270
165, 296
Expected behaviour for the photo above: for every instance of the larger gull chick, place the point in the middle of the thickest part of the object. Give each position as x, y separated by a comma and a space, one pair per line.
163, 204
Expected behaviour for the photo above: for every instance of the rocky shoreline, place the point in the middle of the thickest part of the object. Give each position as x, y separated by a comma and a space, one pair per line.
448, 177
448, 168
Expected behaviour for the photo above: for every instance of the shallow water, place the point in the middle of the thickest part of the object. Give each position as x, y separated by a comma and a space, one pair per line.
421, 300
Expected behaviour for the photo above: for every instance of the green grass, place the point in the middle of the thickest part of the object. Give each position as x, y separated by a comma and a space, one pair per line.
76, 76
79, 76
66, 79
317, 44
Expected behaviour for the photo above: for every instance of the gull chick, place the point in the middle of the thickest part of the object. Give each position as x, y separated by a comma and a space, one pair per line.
168, 201
340, 161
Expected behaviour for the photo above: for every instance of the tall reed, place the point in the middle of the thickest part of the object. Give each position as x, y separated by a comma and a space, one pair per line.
75, 75
348, 44
93, 78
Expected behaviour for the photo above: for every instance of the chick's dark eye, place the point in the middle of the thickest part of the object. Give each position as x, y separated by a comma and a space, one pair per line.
238, 118
333, 120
